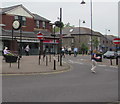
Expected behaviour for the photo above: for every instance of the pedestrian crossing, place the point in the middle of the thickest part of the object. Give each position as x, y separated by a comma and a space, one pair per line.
83, 63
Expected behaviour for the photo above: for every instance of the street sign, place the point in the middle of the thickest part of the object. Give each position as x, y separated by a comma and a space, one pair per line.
40, 35
116, 41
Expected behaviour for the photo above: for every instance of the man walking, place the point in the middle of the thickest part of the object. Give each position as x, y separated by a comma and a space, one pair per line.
94, 61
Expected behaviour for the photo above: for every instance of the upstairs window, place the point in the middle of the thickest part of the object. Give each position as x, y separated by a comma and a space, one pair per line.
22, 19
37, 24
43, 25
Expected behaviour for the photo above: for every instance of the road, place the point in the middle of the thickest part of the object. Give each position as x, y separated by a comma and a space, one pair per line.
76, 85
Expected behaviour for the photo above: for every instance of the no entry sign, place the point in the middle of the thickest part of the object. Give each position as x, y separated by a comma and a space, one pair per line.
116, 41
40, 35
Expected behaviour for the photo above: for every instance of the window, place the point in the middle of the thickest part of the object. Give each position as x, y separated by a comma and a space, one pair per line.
37, 24
22, 19
43, 24
16, 17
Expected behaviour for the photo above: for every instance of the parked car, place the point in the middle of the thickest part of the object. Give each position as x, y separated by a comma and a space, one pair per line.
110, 54
118, 53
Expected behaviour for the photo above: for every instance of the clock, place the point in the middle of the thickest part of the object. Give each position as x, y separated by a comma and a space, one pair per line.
16, 25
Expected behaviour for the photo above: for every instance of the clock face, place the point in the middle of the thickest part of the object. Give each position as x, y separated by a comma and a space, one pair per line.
16, 24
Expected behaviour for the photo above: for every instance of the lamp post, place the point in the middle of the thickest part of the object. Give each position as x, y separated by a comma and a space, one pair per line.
83, 2
54, 38
106, 30
80, 21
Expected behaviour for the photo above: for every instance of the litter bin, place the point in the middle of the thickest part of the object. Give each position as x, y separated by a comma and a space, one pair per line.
100, 59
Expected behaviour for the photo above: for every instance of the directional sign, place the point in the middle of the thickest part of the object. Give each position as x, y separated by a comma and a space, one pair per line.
116, 41
40, 35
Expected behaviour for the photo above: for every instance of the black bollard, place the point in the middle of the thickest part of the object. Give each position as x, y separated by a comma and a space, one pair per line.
18, 62
117, 60
58, 58
10, 64
50, 58
110, 61
54, 64
39, 60
46, 61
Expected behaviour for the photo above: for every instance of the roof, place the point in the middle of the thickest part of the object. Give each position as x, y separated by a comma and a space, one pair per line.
37, 17
4, 10
110, 37
78, 31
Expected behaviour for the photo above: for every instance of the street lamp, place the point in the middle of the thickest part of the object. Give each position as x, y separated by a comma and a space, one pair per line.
83, 2
106, 30
80, 21
54, 38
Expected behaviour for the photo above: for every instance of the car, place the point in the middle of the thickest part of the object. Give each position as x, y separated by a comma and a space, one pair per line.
110, 55
118, 54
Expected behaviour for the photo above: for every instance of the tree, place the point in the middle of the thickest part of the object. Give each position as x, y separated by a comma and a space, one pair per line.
84, 48
68, 25
95, 42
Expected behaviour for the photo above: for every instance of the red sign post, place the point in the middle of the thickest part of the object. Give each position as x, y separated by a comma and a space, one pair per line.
40, 35
116, 41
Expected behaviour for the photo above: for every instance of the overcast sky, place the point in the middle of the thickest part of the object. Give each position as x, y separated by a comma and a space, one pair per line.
105, 13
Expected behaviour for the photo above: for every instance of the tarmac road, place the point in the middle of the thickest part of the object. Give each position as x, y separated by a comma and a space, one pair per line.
76, 85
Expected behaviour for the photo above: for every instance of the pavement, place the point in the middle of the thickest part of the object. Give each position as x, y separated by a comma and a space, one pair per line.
30, 65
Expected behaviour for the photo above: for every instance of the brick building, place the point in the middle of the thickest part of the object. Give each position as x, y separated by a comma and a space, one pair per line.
27, 34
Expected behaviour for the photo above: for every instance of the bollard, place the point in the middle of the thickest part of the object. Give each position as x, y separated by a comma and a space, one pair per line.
54, 65
43, 57
39, 60
10, 64
18, 62
58, 58
46, 61
110, 61
50, 58
116, 60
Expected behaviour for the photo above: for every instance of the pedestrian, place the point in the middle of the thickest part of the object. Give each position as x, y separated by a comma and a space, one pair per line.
27, 49
94, 61
69, 50
6, 51
75, 52
63, 52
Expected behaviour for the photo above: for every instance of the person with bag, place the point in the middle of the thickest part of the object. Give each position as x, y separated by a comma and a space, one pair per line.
27, 49
94, 61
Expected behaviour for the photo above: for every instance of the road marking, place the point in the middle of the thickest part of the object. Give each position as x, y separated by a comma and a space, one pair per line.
102, 65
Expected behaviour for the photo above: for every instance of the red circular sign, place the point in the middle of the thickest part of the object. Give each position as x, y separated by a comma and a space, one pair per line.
116, 41
40, 35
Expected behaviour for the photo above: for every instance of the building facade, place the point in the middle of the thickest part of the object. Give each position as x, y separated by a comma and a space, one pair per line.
31, 25
80, 37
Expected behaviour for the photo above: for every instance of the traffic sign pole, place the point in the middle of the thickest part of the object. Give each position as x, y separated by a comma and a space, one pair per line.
116, 41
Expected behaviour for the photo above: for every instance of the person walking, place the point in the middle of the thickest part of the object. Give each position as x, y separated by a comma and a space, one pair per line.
69, 50
75, 52
27, 49
94, 61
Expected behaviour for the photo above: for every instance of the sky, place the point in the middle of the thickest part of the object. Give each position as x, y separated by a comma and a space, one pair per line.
104, 12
